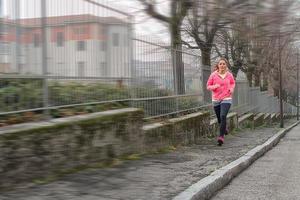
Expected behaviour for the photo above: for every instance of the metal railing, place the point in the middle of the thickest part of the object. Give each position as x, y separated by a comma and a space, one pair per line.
86, 54
251, 99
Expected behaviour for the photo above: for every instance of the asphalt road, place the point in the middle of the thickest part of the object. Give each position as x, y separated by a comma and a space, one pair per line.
275, 176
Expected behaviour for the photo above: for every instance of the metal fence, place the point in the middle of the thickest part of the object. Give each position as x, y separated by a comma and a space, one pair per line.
155, 80
63, 53
251, 99
86, 54
66, 52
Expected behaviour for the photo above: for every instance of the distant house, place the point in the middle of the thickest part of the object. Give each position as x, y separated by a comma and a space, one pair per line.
160, 74
77, 45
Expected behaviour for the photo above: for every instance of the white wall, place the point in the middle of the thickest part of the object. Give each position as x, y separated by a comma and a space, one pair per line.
119, 56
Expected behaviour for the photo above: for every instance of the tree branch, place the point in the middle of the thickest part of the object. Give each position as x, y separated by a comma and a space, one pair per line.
189, 45
217, 50
151, 10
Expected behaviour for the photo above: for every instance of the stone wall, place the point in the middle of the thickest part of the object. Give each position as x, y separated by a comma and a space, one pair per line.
185, 130
37, 150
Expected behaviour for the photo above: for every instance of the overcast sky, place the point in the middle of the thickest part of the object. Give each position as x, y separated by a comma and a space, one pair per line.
144, 25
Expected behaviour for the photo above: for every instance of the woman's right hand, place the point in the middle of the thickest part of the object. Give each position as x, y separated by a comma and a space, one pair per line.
215, 86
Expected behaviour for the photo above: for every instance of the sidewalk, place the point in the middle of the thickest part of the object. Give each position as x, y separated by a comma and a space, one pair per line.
154, 177
274, 176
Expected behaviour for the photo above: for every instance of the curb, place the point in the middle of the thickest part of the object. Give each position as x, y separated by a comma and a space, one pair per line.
206, 187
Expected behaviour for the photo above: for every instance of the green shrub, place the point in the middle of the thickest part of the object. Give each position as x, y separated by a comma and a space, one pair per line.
19, 94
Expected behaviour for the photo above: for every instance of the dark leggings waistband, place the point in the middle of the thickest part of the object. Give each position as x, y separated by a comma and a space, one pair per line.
216, 103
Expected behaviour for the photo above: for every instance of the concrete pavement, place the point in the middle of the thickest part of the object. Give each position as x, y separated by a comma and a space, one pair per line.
274, 176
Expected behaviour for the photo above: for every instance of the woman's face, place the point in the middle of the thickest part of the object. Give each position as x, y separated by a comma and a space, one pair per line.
222, 65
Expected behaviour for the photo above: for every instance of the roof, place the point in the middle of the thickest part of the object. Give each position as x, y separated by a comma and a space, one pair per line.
59, 20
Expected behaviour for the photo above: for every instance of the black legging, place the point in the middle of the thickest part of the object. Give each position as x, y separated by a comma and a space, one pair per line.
221, 111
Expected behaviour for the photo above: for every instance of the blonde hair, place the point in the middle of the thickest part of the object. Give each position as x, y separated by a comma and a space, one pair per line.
216, 67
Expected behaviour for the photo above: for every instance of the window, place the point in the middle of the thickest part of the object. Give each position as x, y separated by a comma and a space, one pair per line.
36, 40
102, 45
81, 45
126, 40
79, 31
4, 48
103, 71
4, 29
81, 66
102, 31
60, 39
21, 68
115, 39
188, 84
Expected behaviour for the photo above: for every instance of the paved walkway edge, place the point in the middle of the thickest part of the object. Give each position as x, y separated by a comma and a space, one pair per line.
208, 186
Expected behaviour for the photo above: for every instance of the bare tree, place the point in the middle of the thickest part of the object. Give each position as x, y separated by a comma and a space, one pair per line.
178, 11
251, 43
243, 31
238, 47
275, 38
206, 19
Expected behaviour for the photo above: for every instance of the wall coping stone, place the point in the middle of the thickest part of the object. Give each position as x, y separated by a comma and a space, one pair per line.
172, 121
267, 115
245, 117
154, 126
59, 121
192, 115
259, 115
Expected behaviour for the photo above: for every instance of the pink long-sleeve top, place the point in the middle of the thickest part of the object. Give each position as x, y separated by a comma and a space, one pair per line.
226, 86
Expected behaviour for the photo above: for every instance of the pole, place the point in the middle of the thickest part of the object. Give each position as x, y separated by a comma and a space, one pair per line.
44, 58
280, 86
18, 32
297, 83
132, 63
1, 16
1, 9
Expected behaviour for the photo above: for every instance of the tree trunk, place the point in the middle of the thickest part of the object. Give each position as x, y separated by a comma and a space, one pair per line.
249, 77
276, 92
265, 82
256, 80
205, 56
178, 65
206, 71
235, 68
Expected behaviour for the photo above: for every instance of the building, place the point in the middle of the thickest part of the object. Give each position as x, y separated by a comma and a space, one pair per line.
77, 45
160, 74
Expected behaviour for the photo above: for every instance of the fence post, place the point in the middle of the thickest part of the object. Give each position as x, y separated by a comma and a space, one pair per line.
236, 101
17, 32
205, 75
177, 79
44, 57
1, 9
132, 63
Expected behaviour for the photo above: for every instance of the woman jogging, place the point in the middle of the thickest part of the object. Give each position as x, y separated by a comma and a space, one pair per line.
221, 82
